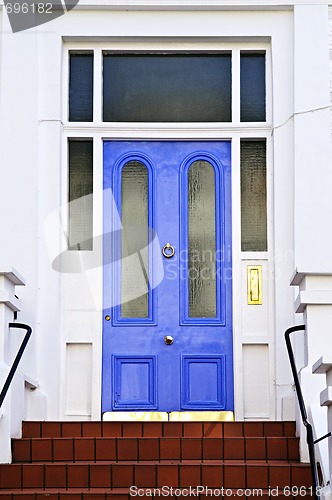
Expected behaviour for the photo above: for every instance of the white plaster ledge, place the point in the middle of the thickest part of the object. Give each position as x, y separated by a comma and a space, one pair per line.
326, 493
300, 274
12, 275
326, 397
312, 297
10, 300
31, 383
323, 365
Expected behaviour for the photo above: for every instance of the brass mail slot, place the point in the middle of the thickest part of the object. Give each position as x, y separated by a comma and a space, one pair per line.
254, 285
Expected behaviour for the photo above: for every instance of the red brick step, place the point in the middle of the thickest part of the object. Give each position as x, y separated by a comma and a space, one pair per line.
102, 460
157, 429
155, 448
235, 474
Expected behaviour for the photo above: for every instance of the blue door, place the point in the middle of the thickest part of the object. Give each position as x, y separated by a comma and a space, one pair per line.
167, 326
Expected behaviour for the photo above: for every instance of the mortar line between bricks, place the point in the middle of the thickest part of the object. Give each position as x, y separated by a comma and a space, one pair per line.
44, 475
287, 453
178, 466
88, 466
266, 456
21, 469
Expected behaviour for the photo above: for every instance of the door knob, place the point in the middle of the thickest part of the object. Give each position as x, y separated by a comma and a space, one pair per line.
168, 339
168, 251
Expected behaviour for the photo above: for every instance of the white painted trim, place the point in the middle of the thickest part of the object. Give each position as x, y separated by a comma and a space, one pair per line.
300, 274
9, 300
326, 397
313, 297
189, 4
323, 365
237, 278
182, 131
12, 275
30, 382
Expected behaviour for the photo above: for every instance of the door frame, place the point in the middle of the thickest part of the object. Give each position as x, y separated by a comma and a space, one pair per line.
234, 132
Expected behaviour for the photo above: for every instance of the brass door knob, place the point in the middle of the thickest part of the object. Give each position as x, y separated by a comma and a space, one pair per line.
168, 339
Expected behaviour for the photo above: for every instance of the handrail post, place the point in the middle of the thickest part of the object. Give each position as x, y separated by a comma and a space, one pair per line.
303, 411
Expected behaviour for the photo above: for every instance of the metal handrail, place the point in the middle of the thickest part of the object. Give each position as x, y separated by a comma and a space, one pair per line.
17, 358
306, 423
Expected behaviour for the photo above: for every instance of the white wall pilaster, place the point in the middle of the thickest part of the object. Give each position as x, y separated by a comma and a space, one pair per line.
9, 303
315, 301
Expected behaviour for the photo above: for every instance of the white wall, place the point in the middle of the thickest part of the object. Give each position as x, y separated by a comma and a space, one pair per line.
33, 136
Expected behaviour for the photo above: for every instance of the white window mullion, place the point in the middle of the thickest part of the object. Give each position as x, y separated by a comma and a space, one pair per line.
97, 86
236, 86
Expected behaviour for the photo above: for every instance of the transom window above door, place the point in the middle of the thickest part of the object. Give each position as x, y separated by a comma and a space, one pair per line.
168, 87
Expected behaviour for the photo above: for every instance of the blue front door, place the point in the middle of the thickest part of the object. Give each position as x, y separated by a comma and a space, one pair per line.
167, 327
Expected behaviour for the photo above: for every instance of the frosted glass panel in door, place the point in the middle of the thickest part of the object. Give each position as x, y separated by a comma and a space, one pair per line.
201, 240
134, 262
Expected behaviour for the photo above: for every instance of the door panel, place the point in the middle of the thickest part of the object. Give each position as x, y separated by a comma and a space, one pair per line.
175, 193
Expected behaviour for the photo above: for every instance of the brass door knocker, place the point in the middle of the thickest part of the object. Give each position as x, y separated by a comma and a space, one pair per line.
168, 251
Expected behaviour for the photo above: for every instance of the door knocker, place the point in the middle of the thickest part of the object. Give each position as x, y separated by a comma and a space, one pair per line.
168, 251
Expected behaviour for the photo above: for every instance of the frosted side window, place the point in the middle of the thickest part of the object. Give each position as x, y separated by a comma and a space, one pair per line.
253, 196
80, 173
134, 241
202, 240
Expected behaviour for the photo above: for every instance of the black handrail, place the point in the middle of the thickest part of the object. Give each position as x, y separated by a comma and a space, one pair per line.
306, 423
17, 359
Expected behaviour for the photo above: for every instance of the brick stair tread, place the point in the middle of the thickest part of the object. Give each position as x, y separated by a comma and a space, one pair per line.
163, 462
123, 493
151, 429
234, 474
153, 448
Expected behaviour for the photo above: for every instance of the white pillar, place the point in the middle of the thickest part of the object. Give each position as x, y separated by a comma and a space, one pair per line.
9, 303
312, 140
314, 300
324, 366
312, 189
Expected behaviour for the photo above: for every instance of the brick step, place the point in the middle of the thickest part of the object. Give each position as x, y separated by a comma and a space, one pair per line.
231, 474
157, 429
164, 448
124, 494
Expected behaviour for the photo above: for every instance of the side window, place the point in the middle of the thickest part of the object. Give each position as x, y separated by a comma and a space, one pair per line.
253, 196
80, 188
